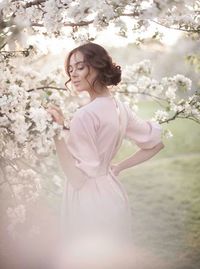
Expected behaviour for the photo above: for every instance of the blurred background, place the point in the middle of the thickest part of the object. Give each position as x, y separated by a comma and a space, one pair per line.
165, 191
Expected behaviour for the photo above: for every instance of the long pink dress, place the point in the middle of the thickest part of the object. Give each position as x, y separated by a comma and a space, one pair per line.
100, 205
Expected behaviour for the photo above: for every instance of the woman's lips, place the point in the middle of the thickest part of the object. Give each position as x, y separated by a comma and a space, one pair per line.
76, 82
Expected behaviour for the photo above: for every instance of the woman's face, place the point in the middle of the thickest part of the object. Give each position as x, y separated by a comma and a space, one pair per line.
82, 77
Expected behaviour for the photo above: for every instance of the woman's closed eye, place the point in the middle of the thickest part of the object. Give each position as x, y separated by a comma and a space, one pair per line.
79, 67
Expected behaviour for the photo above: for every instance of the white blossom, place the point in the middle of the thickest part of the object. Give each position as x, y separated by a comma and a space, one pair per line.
160, 115
168, 134
184, 82
171, 93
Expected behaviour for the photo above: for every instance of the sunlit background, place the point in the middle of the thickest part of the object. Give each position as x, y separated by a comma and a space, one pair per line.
163, 192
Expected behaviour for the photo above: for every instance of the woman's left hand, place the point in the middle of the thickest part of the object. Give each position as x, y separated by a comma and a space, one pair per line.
115, 169
56, 114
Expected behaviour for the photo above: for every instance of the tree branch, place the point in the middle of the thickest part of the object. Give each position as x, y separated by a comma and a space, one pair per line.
34, 3
134, 14
47, 87
67, 24
144, 93
190, 118
173, 117
3, 46
178, 29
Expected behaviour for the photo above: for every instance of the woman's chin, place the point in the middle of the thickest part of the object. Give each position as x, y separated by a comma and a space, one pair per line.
79, 89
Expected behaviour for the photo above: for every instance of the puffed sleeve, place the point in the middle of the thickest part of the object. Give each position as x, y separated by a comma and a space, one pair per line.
82, 142
145, 133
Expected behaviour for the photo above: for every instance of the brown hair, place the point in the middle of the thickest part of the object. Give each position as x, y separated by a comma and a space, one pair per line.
96, 56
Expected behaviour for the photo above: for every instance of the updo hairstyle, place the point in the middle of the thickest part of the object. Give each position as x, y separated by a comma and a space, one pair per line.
96, 56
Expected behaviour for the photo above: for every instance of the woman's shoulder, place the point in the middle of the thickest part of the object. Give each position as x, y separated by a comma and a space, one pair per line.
99, 109
94, 107
87, 112
84, 110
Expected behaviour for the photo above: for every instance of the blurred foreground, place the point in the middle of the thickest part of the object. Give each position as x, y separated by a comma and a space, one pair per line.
164, 196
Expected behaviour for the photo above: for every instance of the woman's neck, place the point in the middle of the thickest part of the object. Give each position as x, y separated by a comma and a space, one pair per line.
104, 92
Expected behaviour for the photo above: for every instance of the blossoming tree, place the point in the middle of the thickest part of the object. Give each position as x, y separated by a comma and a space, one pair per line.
26, 129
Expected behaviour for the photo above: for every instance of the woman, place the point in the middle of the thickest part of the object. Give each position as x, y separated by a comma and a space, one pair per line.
95, 204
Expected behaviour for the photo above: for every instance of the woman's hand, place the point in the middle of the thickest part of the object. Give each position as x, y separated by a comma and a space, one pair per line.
56, 114
115, 169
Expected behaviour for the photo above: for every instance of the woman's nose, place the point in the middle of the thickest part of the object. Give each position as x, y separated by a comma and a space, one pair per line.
74, 73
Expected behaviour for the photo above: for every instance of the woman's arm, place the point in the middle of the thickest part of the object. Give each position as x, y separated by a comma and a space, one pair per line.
67, 162
139, 157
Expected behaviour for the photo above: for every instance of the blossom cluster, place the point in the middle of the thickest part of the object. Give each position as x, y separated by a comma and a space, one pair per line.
172, 93
54, 15
26, 128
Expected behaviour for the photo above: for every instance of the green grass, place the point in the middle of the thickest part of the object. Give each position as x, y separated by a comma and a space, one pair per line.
164, 193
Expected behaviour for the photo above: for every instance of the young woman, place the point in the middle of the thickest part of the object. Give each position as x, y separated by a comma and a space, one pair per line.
95, 204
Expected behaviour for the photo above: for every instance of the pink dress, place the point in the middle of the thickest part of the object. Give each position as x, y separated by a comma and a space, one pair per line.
96, 133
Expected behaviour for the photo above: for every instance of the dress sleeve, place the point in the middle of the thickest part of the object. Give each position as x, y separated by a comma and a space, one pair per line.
82, 142
145, 133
